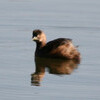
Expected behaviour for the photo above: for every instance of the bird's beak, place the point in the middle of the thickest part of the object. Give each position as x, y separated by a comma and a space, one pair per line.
34, 39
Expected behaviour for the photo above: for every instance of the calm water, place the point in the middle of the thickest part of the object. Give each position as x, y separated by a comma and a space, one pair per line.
75, 19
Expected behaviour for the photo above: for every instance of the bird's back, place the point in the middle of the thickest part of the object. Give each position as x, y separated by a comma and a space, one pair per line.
54, 44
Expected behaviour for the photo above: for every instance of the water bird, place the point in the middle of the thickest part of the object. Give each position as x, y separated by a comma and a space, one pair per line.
62, 48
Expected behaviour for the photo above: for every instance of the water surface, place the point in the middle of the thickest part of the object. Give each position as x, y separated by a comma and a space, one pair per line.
75, 19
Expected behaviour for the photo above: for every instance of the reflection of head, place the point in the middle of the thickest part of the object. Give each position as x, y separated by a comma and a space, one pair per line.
36, 78
54, 66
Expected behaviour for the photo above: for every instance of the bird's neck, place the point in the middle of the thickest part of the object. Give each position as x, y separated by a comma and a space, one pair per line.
40, 45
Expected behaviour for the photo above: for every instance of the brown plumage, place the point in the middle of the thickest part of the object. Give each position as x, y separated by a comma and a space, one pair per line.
58, 48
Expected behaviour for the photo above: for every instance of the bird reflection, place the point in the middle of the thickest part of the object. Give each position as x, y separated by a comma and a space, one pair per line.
54, 66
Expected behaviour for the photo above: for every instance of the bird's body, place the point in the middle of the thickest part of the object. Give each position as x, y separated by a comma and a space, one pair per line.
58, 48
